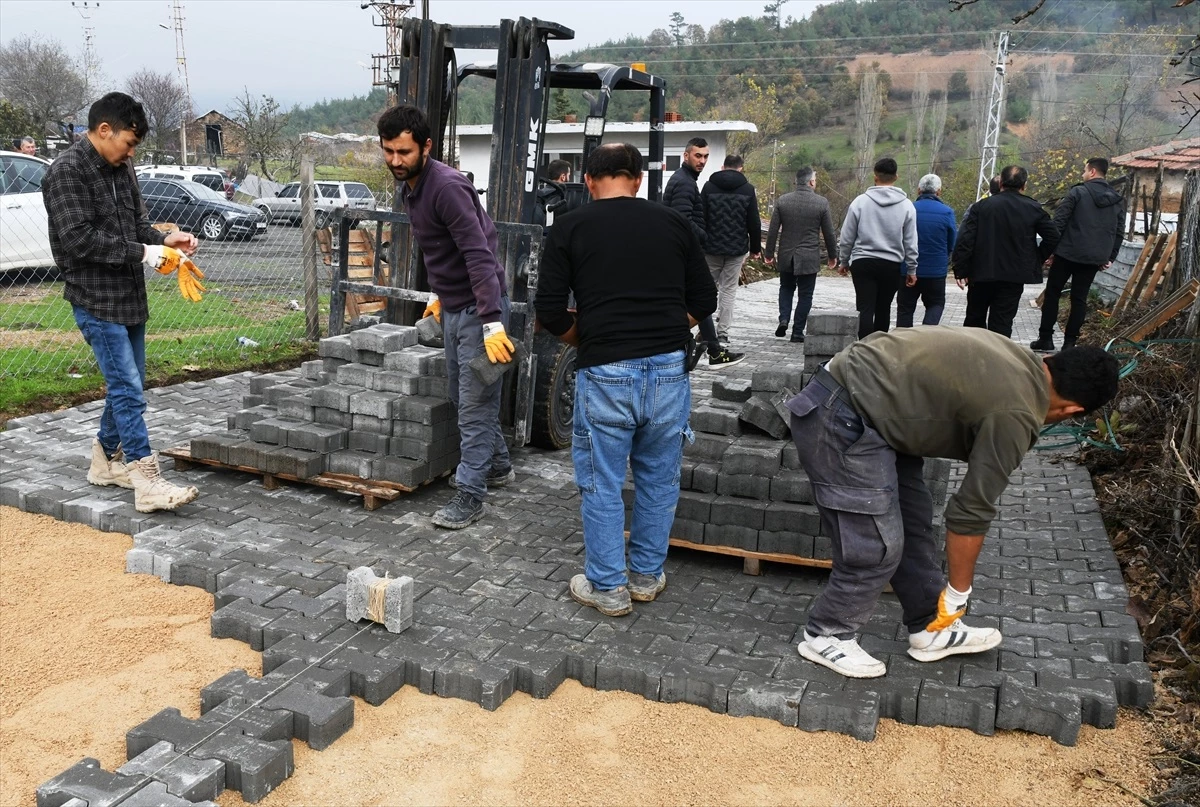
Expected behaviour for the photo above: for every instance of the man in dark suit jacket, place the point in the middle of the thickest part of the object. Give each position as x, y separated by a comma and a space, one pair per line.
998, 253
804, 217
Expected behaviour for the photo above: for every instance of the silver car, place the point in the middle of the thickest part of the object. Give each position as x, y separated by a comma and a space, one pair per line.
284, 206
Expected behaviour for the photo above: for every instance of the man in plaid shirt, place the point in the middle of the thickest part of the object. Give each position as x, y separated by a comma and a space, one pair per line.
101, 239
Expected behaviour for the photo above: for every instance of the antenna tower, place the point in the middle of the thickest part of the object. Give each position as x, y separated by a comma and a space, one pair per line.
384, 66
995, 117
181, 61
85, 10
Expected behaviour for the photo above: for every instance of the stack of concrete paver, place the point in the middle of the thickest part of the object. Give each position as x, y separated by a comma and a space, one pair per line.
375, 405
828, 333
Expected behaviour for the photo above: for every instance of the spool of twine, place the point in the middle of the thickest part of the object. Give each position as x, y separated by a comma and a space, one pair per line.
375, 599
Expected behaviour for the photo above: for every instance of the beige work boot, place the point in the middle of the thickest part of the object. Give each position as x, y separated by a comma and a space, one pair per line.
106, 472
151, 492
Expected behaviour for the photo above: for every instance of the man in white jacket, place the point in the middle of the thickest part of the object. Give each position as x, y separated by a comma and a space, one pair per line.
879, 237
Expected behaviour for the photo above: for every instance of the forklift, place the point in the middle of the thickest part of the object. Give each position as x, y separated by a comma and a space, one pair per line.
538, 398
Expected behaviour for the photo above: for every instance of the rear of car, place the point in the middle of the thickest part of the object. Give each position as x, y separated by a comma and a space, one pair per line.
24, 233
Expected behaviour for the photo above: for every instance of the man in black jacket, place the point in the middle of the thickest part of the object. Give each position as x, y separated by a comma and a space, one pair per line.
636, 297
682, 194
997, 252
1090, 221
734, 231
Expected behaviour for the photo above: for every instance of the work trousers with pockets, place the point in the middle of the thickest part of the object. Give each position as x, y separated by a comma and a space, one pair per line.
931, 291
802, 287
726, 272
875, 284
481, 441
993, 304
875, 507
1081, 276
630, 414
120, 352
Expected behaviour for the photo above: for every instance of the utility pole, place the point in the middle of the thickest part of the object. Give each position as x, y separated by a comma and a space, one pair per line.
771, 193
85, 10
384, 66
181, 62
995, 118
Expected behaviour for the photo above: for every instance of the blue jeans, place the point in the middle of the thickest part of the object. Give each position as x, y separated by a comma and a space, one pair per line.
120, 352
481, 442
629, 414
789, 284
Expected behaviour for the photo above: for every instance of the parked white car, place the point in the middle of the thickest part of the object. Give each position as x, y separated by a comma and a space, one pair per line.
212, 178
285, 205
24, 237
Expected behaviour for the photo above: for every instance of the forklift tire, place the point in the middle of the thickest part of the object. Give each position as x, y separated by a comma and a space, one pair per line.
553, 393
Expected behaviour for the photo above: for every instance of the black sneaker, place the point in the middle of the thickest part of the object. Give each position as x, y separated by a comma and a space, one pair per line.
725, 358
782, 329
1068, 343
799, 339
462, 511
496, 477
1042, 345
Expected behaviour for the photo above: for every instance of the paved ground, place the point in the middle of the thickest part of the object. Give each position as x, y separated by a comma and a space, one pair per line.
492, 613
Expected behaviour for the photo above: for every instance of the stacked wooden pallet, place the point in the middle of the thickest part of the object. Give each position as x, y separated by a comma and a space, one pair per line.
1152, 274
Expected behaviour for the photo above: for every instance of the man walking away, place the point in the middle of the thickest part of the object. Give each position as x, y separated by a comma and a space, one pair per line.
879, 239
862, 427
997, 252
935, 233
636, 298
682, 194
1090, 221
734, 231
803, 216
459, 245
101, 239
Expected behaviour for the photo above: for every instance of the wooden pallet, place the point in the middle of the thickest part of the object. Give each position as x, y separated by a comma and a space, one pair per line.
375, 492
1156, 317
752, 561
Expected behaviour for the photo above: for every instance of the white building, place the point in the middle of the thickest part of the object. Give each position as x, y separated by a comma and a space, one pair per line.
564, 141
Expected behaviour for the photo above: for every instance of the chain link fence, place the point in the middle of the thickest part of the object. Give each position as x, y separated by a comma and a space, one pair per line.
252, 252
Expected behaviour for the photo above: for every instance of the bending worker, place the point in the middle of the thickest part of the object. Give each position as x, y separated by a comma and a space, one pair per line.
862, 427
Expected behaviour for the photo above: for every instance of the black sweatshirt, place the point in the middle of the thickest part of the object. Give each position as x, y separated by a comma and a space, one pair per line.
637, 271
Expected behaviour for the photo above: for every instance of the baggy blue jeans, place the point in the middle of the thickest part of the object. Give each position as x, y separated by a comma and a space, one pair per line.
629, 414
481, 441
120, 352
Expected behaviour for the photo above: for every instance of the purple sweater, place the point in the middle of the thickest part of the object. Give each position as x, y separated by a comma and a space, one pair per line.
458, 240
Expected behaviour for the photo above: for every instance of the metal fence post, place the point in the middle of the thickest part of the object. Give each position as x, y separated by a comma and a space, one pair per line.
312, 319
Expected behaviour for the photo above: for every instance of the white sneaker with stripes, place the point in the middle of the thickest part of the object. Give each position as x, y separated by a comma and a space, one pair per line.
958, 638
843, 656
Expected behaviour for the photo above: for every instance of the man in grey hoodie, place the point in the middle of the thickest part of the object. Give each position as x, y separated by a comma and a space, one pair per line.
879, 237
1090, 221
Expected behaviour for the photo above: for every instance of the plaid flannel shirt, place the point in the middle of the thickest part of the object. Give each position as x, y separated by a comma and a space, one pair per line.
97, 226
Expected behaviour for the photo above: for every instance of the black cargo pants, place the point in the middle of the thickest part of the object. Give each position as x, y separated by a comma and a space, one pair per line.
875, 507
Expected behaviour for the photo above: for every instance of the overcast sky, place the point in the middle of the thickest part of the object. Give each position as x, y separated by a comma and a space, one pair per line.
305, 51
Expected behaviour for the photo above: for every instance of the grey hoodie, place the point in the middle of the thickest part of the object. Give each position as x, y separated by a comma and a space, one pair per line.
881, 223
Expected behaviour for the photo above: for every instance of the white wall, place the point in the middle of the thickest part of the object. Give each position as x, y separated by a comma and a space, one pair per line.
565, 140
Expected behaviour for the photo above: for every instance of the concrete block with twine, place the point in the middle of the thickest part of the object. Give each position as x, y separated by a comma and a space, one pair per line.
388, 601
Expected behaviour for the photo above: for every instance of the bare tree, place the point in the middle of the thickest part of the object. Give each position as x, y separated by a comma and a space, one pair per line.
41, 77
1128, 102
981, 97
937, 130
164, 100
920, 101
1045, 97
262, 124
868, 113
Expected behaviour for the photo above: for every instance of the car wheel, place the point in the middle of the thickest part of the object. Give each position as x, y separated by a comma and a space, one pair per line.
213, 227
266, 211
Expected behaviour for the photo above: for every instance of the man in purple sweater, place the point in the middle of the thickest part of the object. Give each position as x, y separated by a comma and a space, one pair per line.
459, 244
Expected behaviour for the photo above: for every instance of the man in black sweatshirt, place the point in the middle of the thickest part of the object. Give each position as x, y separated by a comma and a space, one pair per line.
640, 284
1090, 223
734, 231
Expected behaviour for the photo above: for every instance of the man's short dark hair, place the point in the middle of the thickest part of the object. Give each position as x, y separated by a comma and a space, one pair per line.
696, 143
121, 112
886, 168
615, 160
557, 168
805, 175
1099, 164
404, 118
1013, 177
733, 161
1084, 375
994, 185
